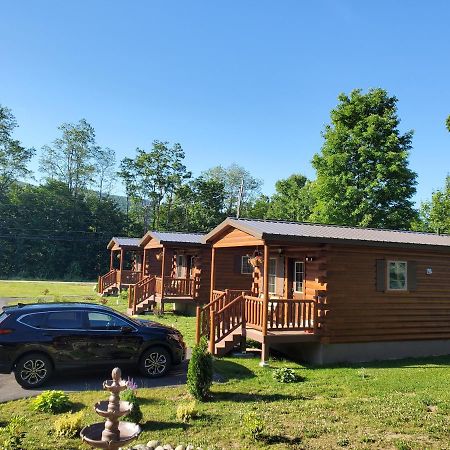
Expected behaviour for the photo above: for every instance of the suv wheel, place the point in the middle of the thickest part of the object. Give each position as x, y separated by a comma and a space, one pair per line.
155, 362
33, 370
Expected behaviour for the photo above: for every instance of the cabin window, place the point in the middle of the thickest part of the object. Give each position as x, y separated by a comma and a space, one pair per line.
192, 265
272, 276
299, 274
181, 266
246, 267
397, 273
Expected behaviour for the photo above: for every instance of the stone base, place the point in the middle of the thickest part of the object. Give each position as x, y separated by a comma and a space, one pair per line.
324, 354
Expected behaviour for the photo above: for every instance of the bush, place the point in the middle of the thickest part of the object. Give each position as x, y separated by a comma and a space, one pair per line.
285, 375
200, 371
187, 411
52, 402
252, 425
12, 436
135, 415
123, 295
69, 425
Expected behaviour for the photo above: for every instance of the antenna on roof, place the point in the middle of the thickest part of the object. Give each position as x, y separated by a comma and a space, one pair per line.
239, 201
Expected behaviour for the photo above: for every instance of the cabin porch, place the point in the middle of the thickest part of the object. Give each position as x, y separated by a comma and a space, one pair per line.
125, 266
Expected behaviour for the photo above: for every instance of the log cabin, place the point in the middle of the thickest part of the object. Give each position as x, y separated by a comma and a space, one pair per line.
125, 265
175, 269
332, 294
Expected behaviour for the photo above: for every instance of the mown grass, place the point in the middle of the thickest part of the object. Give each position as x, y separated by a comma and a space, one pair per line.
397, 405
27, 289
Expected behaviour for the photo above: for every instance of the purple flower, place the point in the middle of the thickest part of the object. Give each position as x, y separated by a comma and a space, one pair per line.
131, 384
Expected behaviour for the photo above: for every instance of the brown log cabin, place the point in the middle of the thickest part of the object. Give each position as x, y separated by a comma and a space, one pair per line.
176, 269
331, 294
125, 266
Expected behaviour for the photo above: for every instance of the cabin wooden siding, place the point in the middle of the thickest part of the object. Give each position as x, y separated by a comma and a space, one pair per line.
228, 268
358, 312
233, 237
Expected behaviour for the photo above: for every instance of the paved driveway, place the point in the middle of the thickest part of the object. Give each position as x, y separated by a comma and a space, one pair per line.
85, 380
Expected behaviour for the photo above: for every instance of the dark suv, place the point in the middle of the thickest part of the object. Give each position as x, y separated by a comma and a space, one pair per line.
37, 339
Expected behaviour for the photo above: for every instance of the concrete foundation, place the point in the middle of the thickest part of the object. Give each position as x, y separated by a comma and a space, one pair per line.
185, 309
324, 354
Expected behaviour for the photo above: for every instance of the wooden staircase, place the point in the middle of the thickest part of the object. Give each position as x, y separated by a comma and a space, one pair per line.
227, 344
142, 295
107, 284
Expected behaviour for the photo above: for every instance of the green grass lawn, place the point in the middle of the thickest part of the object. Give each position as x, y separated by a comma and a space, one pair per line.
26, 289
396, 405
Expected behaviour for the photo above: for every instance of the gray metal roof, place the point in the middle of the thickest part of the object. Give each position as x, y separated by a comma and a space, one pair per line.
124, 242
297, 231
173, 237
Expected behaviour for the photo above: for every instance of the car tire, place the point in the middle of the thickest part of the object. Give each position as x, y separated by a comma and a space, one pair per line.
33, 370
155, 362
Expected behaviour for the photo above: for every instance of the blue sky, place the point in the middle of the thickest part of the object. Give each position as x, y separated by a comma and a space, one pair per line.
242, 81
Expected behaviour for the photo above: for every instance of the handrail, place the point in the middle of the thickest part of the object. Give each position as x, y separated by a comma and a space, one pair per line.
141, 291
107, 280
176, 287
226, 320
203, 315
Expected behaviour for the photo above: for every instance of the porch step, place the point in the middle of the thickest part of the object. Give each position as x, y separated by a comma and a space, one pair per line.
146, 305
228, 343
111, 290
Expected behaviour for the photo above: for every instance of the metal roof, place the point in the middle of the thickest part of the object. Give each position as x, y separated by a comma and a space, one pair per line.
173, 237
124, 242
298, 231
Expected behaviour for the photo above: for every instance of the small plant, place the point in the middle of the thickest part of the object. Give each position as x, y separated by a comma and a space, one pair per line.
52, 402
285, 375
45, 292
157, 311
13, 435
402, 445
187, 411
69, 425
343, 442
95, 287
129, 395
200, 371
252, 425
123, 295
363, 374
103, 300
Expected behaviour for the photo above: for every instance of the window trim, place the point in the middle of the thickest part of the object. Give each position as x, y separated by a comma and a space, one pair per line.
303, 277
274, 275
248, 263
388, 276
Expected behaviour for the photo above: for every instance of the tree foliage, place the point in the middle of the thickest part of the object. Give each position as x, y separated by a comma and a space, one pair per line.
14, 158
200, 371
363, 178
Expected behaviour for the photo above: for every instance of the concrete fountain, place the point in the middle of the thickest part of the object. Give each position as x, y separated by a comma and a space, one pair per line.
113, 433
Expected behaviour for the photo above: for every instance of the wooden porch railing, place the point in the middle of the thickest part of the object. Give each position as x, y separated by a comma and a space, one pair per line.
176, 287
221, 317
140, 292
130, 277
107, 280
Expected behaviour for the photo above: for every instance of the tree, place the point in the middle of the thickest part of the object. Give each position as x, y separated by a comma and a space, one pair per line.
232, 178
293, 199
435, 214
71, 158
14, 158
363, 178
447, 123
152, 178
105, 174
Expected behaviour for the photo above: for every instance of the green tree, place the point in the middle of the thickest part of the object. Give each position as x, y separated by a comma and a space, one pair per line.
14, 158
232, 178
363, 178
151, 179
447, 123
105, 159
435, 214
293, 199
71, 158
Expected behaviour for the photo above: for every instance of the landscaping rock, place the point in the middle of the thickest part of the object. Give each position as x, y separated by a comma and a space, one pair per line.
140, 447
190, 447
153, 444
180, 447
160, 447
168, 447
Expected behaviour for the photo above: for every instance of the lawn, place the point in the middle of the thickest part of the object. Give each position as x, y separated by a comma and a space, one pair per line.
396, 405
27, 289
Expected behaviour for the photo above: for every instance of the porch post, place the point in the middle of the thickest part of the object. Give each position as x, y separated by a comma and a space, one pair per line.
144, 256
111, 260
120, 268
265, 347
213, 261
163, 267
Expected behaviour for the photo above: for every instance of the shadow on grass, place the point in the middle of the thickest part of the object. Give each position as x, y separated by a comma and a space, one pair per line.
247, 398
155, 425
229, 370
272, 439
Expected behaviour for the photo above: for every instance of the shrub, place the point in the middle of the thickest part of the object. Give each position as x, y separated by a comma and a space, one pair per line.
187, 411
69, 425
135, 416
200, 371
285, 375
252, 425
12, 436
123, 295
52, 402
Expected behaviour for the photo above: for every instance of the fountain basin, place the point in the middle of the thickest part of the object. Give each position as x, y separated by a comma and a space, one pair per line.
92, 434
101, 408
114, 386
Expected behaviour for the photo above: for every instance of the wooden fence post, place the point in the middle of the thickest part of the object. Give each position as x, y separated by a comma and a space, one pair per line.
212, 332
198, 325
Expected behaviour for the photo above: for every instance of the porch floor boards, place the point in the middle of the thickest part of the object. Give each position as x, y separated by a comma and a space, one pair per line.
282, 336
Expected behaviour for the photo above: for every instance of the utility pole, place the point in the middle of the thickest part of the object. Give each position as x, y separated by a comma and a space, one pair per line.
239, 202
